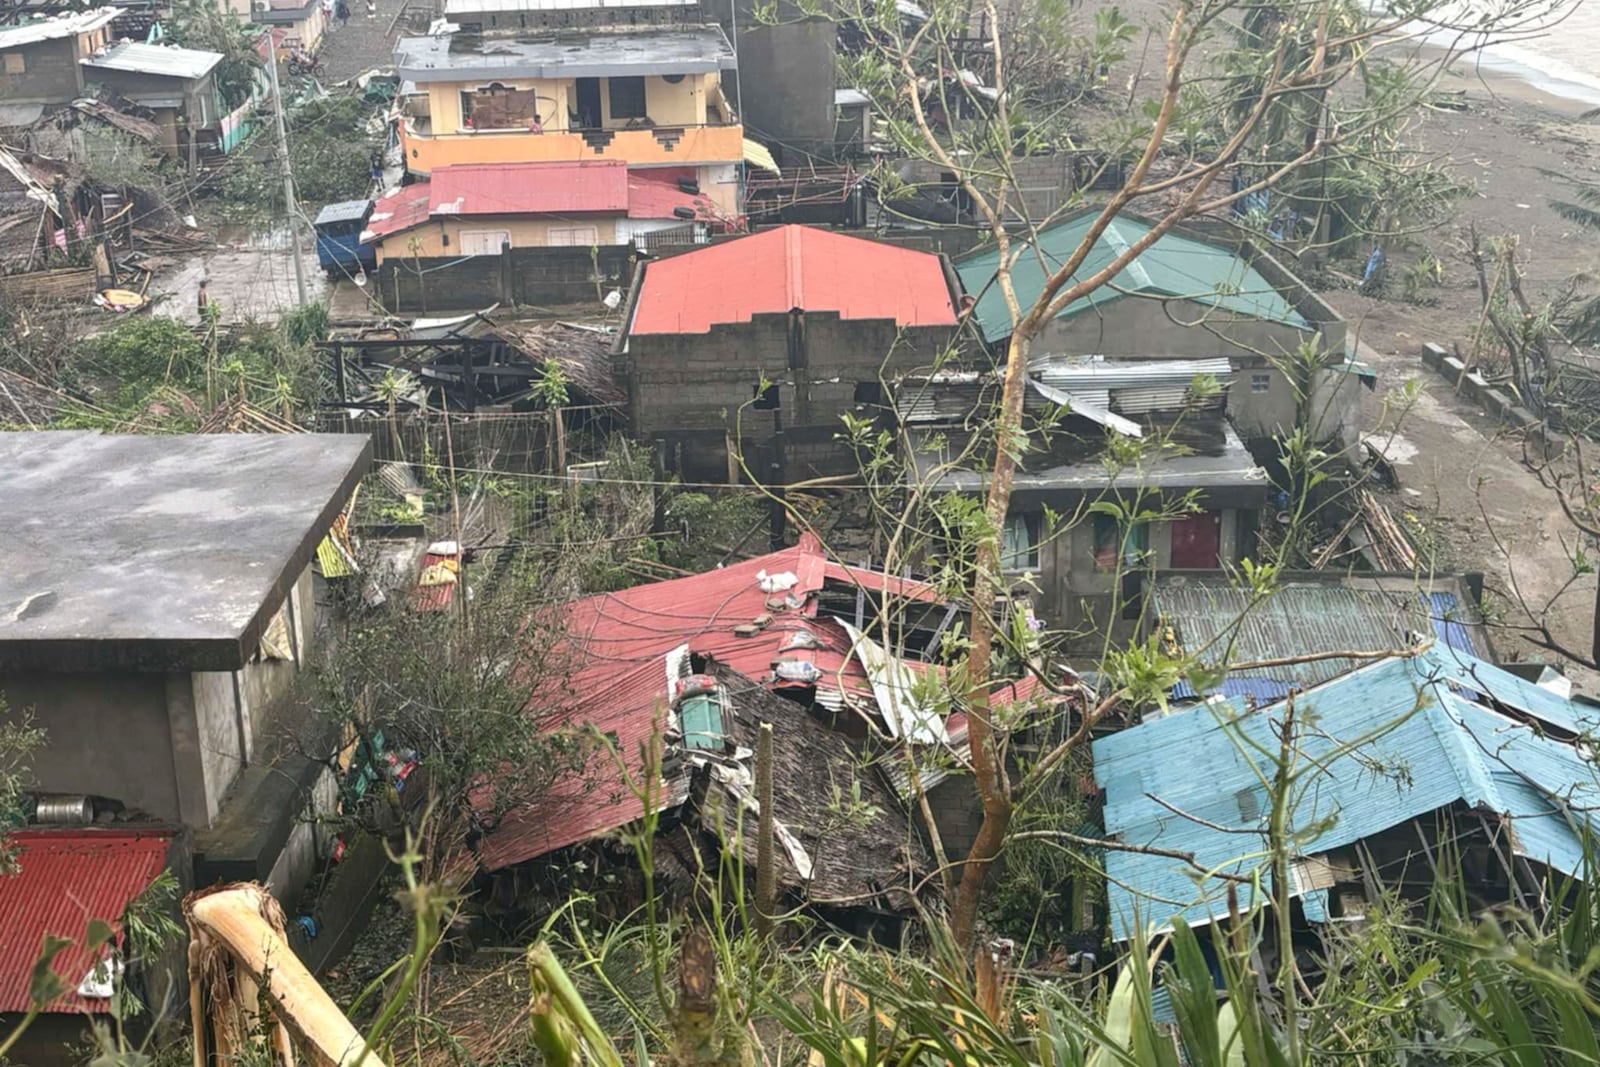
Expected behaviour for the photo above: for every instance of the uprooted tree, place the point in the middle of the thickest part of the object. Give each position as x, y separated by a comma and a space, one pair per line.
1276, 105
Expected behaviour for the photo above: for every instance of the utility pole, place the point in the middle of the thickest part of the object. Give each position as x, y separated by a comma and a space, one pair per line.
290, 203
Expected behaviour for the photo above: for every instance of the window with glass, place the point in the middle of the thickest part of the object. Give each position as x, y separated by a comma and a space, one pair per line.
1019, 543
1119, 545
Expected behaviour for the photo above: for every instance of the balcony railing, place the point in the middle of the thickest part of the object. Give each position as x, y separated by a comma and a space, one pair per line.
657, 145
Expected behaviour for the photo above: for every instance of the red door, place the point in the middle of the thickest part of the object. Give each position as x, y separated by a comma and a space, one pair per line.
1197, 540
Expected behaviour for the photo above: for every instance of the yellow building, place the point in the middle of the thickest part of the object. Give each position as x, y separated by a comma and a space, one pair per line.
650, 97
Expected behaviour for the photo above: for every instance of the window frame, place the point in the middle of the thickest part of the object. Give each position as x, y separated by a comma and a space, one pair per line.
627, 84
1133, 548
1017, 561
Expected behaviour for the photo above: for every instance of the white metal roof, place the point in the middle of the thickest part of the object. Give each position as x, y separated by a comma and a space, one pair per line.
50, 29
171, 62
467, 7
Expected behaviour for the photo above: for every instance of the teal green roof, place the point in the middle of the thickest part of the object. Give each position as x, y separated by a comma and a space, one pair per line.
1175, 266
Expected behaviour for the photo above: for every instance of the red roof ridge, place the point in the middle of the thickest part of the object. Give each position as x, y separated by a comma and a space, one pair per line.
797, 283
792, 266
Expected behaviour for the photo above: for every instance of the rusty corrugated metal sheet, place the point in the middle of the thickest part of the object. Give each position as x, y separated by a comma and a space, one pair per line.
66, 879
616, 675
1219, 622
789, 267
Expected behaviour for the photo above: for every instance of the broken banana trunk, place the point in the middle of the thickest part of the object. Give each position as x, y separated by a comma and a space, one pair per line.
247, 987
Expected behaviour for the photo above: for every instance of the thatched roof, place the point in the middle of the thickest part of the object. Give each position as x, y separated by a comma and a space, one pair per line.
582, 352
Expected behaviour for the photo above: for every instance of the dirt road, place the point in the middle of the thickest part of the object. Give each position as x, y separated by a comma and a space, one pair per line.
1470, 499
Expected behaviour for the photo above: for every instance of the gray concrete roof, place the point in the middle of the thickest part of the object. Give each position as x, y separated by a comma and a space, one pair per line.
159, 553
1232, 469
582, 55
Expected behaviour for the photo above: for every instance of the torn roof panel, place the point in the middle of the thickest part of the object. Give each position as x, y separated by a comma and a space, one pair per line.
813, 767
397, 211
1429, 748
616, 643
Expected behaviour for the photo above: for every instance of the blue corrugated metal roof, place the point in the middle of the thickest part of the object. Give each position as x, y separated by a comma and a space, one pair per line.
1430, 748
1261, 690
1445, 611
1175, 266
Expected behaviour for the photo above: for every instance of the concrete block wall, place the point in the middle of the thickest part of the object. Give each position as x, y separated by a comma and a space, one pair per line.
1499, 403
696, 388
540, 277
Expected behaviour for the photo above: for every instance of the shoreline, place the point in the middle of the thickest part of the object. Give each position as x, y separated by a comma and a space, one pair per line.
1507, 79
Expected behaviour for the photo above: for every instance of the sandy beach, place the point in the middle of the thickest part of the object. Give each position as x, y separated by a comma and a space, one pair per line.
1506, 144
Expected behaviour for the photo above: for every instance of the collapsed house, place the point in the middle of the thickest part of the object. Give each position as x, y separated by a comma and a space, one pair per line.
1407, 764
679, 675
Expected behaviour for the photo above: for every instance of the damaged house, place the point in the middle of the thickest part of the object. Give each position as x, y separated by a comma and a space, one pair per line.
47, 65
679, 674
1403, 758
1188, 296
1148, 435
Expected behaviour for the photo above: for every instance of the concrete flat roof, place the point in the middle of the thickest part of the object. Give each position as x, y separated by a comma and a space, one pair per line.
1233, 472
159, 553
581, 55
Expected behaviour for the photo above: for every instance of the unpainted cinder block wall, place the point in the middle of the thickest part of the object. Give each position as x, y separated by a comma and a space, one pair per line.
694, 390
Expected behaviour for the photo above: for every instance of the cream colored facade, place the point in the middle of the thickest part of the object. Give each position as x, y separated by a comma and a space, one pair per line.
691, 100
485, 235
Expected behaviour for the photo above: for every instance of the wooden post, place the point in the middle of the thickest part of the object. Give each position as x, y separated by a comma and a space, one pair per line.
766, 875
658, 517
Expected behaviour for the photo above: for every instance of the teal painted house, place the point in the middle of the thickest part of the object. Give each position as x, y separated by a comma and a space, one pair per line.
1188, 296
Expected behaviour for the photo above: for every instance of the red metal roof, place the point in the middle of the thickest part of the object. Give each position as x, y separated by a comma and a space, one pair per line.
400, 210
657, 196
66, 879
791, 267
554, 188
618, 642
593, 186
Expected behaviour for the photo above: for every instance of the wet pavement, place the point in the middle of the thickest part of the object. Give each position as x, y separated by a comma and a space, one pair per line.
250, 280
362, 43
